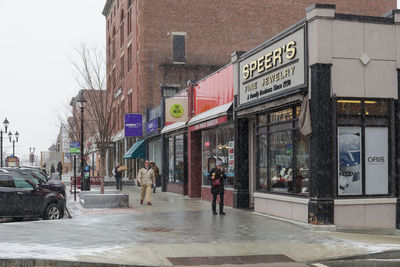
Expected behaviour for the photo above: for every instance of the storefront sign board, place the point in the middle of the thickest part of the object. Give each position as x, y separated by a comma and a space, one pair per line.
176, 109
278, 68
376, 161
133, 125
74, 147
152, 126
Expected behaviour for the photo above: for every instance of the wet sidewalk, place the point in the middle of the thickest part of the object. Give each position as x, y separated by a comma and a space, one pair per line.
179, 231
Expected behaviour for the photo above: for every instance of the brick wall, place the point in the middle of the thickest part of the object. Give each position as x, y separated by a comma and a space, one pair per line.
214, 30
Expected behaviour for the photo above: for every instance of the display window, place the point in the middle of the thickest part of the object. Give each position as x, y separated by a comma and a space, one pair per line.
154, 151
176, 159
218, 145
363, 149
282, 153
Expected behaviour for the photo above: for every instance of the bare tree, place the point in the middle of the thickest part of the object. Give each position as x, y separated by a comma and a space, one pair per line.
91, 77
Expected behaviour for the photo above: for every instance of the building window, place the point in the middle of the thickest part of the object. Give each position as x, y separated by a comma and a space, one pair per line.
114, 79
130, 108
129, 57
129, 21
176, 159
179, 48
122, 28
169, 91
122, 67
363, 147
282, 153
113, 48
218, 145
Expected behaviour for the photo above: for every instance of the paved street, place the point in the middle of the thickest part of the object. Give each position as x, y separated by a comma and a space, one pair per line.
175, 227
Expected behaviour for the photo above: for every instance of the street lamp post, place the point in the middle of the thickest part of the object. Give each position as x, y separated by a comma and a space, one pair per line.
82, 102
16, 135
5, 123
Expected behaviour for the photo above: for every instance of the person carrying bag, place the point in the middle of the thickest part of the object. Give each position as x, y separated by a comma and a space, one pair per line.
217, 177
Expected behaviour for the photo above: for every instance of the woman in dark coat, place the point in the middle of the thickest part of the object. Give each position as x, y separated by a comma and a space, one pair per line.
217, 177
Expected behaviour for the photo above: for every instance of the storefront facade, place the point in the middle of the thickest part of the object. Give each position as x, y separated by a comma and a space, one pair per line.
174, 144
211, 134
315, 121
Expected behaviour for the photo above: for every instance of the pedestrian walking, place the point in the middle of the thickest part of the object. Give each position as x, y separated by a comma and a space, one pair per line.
146, 179
217, 177
156, 171
118, 176
52, 170
44, 169
60, 169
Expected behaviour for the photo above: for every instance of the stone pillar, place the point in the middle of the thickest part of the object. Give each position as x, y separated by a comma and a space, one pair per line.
241, 193
321, 206
397, 149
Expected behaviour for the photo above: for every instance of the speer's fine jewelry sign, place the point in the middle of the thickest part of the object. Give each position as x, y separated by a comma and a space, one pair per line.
276, 69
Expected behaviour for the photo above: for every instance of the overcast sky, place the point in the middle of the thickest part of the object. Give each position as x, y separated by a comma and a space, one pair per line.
36, 76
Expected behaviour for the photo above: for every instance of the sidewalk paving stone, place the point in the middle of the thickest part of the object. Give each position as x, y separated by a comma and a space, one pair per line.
176, 227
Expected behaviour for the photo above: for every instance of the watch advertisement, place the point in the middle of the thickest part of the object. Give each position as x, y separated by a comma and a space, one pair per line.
349, 165
376, 161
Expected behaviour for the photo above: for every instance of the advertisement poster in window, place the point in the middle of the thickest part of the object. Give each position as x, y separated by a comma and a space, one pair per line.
376, 161
349, 157
231, 154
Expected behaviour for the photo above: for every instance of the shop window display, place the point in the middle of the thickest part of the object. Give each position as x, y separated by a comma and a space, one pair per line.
363, 147
218, 144
302, 184
176, 159
282, 153
281, 167
171, 157
179, 159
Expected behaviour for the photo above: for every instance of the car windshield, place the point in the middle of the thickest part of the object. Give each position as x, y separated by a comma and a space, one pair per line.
31, 178
40, 175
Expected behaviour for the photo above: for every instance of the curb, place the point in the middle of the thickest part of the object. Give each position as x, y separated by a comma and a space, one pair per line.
58, 263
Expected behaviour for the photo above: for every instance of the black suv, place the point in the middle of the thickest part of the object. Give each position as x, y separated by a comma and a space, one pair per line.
21, 198
38, 178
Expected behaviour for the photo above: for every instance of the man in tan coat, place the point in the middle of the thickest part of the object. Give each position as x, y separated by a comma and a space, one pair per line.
146, 179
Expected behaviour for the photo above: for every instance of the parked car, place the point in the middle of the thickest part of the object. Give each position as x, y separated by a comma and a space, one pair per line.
39, 178
21, 198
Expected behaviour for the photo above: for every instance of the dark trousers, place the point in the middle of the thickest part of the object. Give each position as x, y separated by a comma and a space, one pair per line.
119, 183
221, 202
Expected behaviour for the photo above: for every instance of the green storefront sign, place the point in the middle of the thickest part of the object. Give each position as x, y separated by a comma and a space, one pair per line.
176, 110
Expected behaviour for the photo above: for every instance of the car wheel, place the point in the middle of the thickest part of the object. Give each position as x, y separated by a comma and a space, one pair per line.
18, 219
53, 212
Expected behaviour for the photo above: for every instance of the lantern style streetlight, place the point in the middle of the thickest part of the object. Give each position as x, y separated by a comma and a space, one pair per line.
13, 140
85, 185
5, 123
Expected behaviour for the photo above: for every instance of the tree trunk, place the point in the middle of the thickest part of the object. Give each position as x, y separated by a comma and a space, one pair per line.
102, 170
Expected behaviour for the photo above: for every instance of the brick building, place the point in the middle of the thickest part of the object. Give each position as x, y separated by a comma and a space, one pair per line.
155, 46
